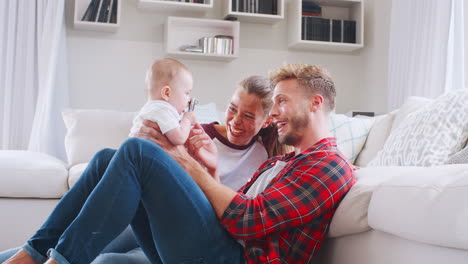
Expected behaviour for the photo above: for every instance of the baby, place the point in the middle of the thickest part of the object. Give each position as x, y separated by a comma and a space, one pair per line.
169, 84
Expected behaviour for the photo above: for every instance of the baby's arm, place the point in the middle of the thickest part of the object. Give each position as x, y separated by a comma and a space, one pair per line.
179, 135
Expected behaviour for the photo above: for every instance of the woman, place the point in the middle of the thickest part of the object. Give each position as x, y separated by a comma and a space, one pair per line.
246, 140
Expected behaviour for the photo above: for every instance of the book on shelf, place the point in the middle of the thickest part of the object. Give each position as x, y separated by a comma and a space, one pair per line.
269, 7
324, 29
311, 9
104, 11
219, 44
92, 11
113, 15
336, 30
349, 31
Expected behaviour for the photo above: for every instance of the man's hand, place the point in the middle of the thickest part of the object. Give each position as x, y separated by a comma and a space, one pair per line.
202, 148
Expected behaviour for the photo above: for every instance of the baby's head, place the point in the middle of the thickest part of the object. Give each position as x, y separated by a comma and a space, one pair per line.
171, 81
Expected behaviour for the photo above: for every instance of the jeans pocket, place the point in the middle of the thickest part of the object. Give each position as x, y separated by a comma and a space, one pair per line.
194, 261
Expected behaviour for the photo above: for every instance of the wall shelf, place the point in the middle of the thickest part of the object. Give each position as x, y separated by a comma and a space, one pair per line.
80, 8
254, 17
332, 9
180, 31
164, 6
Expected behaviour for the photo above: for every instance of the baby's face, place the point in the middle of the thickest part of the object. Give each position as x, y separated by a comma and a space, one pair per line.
181, 89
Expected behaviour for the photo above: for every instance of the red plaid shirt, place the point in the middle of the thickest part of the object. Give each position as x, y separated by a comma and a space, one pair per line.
288, 221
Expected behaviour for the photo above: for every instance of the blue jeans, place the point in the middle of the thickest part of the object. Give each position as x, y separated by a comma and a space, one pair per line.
141, 185
122, 250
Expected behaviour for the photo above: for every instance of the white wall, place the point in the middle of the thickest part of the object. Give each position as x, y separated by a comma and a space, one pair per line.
107, 69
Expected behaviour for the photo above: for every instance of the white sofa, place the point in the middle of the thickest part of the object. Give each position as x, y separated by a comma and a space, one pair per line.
394, 214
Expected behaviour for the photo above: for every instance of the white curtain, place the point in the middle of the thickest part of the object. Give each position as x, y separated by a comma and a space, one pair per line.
426, 56
33, 75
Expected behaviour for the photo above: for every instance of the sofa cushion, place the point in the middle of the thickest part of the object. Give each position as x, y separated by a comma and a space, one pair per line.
26, 174
375, 141
350, 133
460, 157
424, 204
411, 104
428, 136
75, 173
351, 215
89, 131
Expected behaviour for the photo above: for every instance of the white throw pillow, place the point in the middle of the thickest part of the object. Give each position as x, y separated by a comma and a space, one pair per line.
428, 136
459, 158
350, 133
378, 134
411, 104
89, 131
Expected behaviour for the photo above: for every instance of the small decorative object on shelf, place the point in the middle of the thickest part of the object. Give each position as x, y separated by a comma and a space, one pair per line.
255, 11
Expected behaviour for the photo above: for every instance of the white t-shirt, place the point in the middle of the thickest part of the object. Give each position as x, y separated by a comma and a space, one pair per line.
264, 179
237, 164
157, 111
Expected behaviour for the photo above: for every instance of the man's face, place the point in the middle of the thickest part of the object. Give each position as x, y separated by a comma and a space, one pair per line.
290, 112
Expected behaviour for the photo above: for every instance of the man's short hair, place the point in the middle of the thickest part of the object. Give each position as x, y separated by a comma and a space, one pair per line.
313, 79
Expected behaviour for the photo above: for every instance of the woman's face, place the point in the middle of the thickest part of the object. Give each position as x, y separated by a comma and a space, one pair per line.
244, 117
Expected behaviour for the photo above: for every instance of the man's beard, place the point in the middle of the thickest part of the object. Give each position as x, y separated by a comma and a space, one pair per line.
296, 126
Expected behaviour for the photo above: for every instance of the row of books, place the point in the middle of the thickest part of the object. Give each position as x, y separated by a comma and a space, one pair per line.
219, 44
324, 29
104, 11
269, 7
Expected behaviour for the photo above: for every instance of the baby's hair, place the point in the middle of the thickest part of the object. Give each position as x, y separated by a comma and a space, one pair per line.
163, 71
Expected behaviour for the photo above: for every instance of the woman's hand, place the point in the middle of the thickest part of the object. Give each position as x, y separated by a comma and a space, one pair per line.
203, 149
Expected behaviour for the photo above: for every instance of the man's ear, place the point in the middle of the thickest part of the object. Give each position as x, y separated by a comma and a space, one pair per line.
315, 101
268, 122
166, 93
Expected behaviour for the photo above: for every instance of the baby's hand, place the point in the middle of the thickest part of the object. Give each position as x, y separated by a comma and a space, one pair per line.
191, 117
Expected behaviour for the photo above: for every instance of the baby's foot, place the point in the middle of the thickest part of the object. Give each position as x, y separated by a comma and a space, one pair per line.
21, 257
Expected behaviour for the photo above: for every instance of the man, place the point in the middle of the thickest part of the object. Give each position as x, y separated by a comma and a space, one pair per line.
282, 214
180, 213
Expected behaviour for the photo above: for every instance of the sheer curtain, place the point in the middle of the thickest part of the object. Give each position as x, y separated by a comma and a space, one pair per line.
426, 49
33, 75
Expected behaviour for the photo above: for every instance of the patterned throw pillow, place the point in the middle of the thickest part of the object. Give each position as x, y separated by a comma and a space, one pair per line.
460, 157
350, 133
428, 136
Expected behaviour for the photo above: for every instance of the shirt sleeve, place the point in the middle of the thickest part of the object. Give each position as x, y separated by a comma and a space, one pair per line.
307, 192
166, 118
